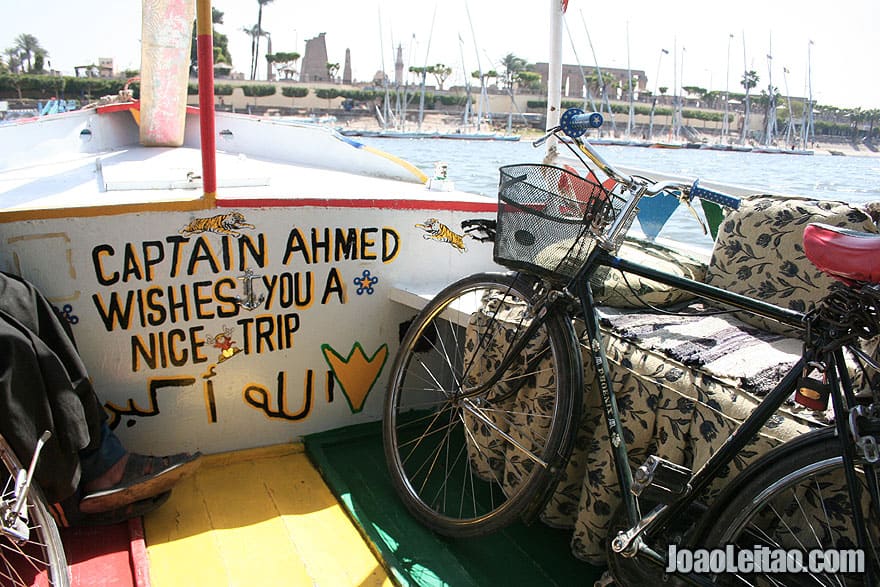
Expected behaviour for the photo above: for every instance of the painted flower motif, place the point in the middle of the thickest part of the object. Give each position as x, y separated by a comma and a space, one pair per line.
365, 283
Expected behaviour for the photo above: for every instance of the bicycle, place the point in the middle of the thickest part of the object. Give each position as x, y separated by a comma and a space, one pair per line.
485, 392
31, 552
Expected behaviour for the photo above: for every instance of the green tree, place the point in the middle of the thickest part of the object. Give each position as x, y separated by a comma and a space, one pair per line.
328, 94
487, 75
529, 80
440, 72
294, 92
28, 49
512, 66
219, 41
284, 62
258, 91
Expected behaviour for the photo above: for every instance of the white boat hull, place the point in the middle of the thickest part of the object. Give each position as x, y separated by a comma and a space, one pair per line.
245, 321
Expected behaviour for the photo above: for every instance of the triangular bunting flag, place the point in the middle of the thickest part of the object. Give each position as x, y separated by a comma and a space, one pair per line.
714, 215
654, 212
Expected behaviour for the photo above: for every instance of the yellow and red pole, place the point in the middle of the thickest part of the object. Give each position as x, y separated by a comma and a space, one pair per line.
205, 48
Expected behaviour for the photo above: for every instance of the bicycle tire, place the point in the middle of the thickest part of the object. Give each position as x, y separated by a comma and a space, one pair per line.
795, 501
468, 466
41, 556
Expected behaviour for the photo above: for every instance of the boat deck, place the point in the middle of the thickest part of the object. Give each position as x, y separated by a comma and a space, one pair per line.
257, 517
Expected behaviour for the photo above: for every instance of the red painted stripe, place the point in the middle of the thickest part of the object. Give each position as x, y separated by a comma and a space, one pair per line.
446, 205
140, 563
123, 106
206, 108
133, 105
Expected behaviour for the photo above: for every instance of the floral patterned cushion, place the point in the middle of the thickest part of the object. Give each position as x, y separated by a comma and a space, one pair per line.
634, 291
673, 403
759, 252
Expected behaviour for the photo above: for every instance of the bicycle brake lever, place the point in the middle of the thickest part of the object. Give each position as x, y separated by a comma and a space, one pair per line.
550, 133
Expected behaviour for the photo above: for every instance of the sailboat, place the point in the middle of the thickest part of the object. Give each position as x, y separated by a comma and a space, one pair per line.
792, 144
724, 143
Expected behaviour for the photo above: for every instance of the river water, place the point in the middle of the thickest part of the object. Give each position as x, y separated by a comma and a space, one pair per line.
473, 166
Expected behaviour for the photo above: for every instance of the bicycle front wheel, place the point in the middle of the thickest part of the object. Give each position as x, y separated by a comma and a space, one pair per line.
796, 515
468, 454
31, 552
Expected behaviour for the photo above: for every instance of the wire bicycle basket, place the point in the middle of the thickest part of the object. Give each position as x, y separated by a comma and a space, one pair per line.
549, 219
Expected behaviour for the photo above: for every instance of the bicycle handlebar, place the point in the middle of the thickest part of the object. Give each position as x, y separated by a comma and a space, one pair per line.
704, 194
574, 122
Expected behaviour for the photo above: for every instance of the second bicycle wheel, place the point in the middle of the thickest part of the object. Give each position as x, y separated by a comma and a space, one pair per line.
31, 552
796, 512
468, 450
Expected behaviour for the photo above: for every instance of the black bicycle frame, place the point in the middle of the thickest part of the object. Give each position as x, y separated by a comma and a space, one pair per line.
741, 436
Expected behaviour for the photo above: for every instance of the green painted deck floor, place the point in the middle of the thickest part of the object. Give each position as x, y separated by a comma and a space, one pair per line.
352, 462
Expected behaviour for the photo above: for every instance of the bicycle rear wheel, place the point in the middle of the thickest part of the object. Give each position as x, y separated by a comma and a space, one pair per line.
467, 461
39, 558
800, 503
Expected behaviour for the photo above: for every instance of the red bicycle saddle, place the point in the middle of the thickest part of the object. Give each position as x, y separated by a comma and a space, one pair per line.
848, 255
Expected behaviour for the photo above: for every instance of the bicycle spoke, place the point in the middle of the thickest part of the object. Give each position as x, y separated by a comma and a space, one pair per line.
462, 436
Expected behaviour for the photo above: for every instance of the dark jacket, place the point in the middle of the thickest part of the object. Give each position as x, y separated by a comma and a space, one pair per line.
44, 386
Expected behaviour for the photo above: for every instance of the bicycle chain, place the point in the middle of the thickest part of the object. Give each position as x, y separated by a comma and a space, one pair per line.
844, 316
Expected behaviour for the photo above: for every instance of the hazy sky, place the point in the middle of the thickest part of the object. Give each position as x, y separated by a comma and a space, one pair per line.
843, 57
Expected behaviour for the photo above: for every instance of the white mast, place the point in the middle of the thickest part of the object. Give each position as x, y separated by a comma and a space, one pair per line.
725, 126
605, 102
629, 78
789, 130
554, 71
745, 128
770, 122
654, 96
808, 126
484, 97
587, 95
425, 71
467, 86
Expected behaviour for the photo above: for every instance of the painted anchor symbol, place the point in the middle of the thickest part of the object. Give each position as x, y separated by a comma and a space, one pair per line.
250, 302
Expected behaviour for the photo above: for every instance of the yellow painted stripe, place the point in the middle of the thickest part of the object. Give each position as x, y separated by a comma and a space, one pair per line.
257, 517
105, 210
204, 24
402, 162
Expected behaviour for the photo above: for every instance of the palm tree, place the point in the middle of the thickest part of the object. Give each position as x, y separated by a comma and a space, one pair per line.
512, 66
256, 43
254, 34
29, 48
749, 80
13, 59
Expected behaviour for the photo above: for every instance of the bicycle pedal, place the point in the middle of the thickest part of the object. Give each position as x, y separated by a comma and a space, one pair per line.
661, 481
13, 525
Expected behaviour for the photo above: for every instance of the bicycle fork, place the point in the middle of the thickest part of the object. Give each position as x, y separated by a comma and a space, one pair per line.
13, 512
